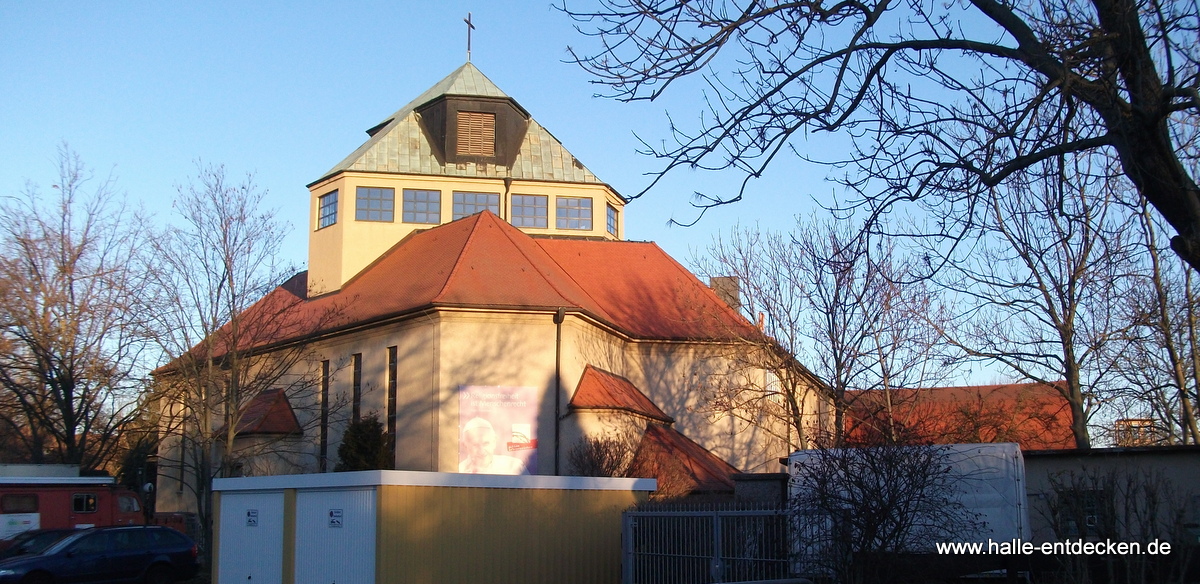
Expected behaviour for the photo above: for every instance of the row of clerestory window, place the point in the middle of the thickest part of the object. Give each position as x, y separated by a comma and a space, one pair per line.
425, 206
356, 399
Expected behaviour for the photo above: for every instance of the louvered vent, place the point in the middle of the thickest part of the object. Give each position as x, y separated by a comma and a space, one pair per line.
476, 134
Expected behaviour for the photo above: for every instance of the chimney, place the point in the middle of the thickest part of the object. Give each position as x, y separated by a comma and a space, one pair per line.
728, 289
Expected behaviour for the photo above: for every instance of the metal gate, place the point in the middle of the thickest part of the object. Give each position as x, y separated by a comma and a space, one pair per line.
702, 546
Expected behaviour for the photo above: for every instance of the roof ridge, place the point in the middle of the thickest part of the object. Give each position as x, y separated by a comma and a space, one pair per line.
687, 274
462, 253
378, 260
654, 412
599, 306
595, 305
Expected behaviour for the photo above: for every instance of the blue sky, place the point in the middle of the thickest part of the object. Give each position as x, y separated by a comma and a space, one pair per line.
286, 90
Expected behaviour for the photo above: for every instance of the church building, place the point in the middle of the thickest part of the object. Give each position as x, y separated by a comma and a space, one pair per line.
471, 287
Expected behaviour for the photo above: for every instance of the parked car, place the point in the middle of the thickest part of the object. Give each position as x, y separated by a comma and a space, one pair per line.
34, 541
141, 553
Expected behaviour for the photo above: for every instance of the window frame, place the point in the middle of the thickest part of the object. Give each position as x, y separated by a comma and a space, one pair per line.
563, 206
323, 447
611, 220
356, 387
386, 209
391, 400
90, 502
520, 219
458, 200
436, 207
327, 205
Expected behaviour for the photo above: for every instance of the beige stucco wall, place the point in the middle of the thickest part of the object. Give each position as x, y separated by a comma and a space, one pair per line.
496, 349
679, 378
416, 345
338, 252
452, 349
442, 350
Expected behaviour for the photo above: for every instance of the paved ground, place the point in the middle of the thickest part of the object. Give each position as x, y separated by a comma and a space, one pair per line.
202, 578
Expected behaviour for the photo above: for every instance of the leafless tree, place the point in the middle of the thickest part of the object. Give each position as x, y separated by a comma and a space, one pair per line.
845, 307
1131, 505
71, 348
229, 332
1041, 281
1158, 358
853, 507
601, 456
941, 101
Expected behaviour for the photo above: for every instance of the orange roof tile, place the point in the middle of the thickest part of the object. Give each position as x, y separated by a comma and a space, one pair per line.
680, 465
599, 389
269, 412
482, 261
1034, 415
644, 291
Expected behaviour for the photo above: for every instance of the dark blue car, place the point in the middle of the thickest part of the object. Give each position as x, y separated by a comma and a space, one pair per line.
136, 553
34, 541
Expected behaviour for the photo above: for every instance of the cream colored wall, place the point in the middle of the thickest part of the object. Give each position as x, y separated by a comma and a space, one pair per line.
416, 359
325, 244
441, 351
678, 377
340, 251
171, 493
496, 349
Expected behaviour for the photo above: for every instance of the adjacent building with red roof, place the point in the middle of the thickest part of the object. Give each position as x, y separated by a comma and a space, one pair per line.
469, 283
1034, 415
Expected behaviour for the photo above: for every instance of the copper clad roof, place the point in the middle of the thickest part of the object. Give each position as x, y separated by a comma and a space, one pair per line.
400, 146
599, 389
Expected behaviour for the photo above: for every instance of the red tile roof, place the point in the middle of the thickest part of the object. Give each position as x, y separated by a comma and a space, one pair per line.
482, 261
641, 289
1034, 415
681, 466
599, 389
268, 413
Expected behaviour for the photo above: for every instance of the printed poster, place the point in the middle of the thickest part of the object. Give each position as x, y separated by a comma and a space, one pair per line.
497, 430
13, 523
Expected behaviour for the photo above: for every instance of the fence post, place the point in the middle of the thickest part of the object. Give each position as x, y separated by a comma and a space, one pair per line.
718, 562
627, 548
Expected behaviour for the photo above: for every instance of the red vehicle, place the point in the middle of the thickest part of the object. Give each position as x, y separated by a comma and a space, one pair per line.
65, 502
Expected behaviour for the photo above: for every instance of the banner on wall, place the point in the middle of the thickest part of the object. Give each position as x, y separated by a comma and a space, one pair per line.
497, 430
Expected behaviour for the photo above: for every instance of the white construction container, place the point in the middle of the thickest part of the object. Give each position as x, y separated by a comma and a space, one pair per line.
991, 484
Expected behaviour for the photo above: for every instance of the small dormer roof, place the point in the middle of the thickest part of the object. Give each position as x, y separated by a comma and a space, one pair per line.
400, 145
